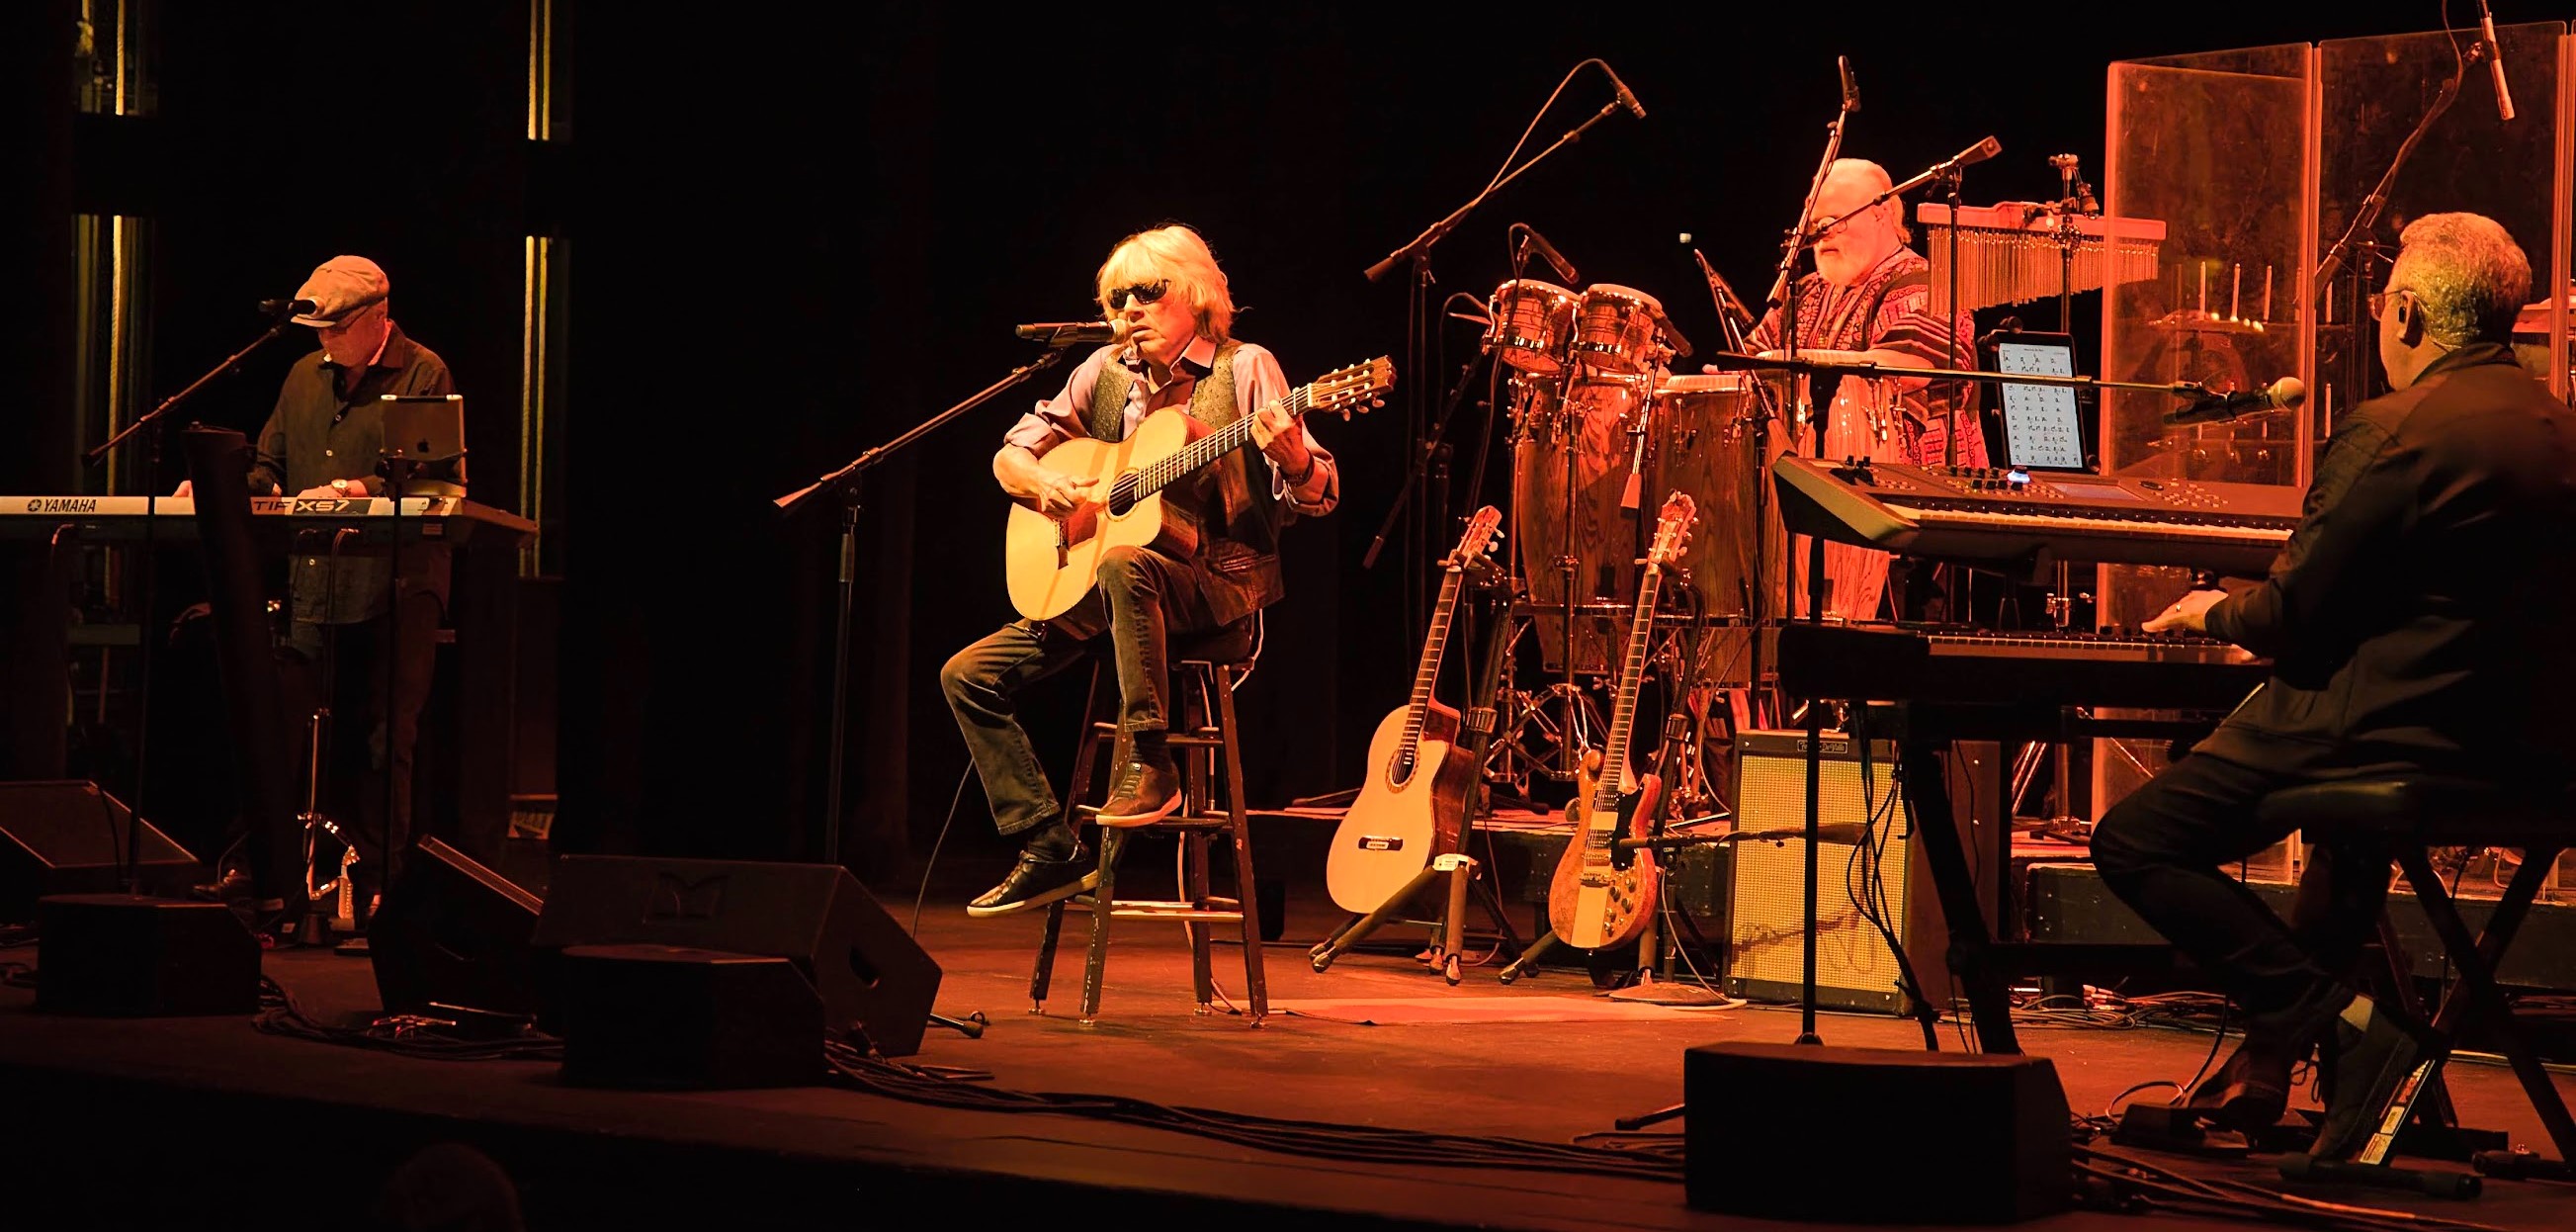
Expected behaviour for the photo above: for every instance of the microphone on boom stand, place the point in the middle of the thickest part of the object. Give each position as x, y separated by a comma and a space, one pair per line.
2288, 393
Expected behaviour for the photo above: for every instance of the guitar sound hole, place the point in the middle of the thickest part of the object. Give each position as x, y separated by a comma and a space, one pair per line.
1120, 500
1400, 771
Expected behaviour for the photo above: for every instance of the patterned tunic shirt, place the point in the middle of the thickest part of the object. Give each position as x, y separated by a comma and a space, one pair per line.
1890, 309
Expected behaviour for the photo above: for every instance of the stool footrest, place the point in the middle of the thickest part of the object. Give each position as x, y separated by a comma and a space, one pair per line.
1154, 909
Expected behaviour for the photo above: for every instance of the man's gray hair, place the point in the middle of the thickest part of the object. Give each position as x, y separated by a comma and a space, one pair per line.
2470, 276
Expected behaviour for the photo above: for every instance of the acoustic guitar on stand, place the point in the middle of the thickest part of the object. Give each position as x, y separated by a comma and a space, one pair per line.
1414, 805
1050, 561
1602, 896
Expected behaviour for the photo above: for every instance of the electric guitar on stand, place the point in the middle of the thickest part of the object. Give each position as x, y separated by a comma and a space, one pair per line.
1602, 896
1050, 561
1414, 804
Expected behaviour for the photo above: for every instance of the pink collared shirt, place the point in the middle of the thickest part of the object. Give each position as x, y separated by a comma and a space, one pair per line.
1258, 382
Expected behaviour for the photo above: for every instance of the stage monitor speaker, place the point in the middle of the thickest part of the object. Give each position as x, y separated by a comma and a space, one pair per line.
670, 1017
66, 836
872, 976
1855, 968
456, 933
118, 955
1881, 1135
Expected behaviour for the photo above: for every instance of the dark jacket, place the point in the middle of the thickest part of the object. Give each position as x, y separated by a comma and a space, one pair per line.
321, 431
2423, 615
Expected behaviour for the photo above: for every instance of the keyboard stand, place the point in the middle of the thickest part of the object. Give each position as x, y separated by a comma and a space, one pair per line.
1984, 964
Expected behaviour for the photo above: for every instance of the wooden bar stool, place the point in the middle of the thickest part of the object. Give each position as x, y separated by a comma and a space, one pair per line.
1206, 671
2412, 815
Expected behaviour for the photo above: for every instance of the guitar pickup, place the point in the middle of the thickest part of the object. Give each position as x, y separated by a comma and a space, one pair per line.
1381, 842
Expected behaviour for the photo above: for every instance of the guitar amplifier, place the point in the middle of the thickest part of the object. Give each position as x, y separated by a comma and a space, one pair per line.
1855, 968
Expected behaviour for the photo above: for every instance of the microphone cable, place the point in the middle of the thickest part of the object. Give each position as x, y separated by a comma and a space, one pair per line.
923, 895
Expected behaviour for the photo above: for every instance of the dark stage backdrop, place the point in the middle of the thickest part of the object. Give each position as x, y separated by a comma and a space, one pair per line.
796, 230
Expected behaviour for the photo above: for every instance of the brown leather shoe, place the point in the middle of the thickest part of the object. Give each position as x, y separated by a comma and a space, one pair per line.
2249, 1092
1146, 793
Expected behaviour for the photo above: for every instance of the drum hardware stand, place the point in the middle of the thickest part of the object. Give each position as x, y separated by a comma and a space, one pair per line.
1418, 315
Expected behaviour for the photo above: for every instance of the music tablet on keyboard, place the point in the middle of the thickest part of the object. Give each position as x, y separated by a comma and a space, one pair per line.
2043, 424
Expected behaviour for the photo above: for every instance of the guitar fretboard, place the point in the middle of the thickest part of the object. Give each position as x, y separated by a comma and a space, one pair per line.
1137, 485
1419, 708
1623, 710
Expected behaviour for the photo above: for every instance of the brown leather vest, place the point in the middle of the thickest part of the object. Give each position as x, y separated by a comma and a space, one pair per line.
1230, 500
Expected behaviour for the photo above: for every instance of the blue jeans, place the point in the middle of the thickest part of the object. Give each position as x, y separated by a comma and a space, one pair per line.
1143, 598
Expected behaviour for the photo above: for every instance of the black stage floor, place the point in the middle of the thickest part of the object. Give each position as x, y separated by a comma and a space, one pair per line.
210, 1123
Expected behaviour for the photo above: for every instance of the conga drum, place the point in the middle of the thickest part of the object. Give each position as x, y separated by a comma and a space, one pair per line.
1532, 323
1585, 516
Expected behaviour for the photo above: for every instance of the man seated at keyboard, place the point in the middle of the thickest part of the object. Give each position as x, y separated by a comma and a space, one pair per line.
2415, 623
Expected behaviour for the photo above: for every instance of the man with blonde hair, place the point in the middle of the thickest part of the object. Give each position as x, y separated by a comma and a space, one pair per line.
1163, 290
2415, 624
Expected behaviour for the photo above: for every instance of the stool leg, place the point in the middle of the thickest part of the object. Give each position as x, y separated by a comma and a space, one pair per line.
1045, 973
1085, 753
1258, 988
2477, 992
1112, 841
1194, 889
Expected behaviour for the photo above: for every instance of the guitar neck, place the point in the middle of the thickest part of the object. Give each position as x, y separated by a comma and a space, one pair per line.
1209, 448
1623, 710
1418, 710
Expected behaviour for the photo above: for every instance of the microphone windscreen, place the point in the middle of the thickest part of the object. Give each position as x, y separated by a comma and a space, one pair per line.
2289, 393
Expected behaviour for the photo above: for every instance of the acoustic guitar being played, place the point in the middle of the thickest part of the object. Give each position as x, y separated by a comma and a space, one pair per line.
1050, 561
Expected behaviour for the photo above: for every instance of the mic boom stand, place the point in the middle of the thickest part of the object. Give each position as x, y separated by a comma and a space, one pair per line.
1418, 325
846, 482
150, 425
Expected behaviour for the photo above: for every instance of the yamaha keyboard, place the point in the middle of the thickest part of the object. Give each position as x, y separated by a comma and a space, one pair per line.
93, 519
1951, 665
1991, 514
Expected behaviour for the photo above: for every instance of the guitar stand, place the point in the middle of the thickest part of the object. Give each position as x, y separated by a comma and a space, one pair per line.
1677, 730
1449, 933
1449, 940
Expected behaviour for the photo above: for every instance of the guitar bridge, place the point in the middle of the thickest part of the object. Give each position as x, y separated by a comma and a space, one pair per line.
1381, 842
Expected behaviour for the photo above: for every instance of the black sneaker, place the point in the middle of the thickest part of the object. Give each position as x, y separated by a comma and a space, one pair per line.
229, 886
2369, 1066
1036, 881
1147, 793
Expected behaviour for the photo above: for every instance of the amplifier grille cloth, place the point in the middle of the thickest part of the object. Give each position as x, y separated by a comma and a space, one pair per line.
1768, 915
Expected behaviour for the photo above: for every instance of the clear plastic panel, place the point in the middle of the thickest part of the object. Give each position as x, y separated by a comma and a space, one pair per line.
2216, 147
2372, 94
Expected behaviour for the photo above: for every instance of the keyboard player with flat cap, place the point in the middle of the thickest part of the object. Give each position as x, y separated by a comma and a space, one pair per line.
322, 441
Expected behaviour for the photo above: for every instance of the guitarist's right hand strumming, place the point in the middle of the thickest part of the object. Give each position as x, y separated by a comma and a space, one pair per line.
1060, 494
1055, 492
